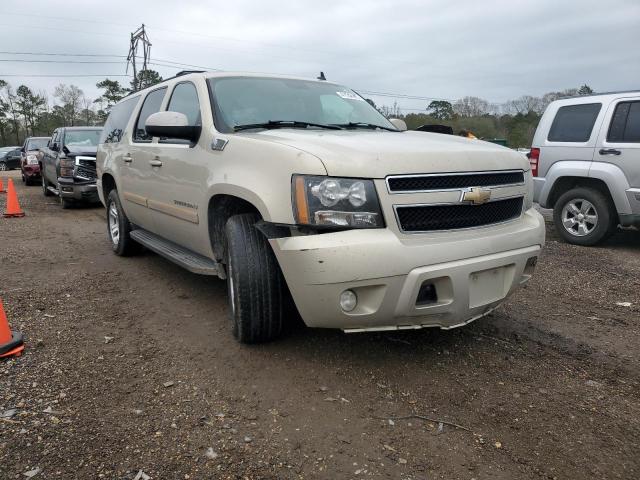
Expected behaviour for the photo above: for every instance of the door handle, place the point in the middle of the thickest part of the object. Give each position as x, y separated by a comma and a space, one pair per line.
609, 151
127, 158
155, 163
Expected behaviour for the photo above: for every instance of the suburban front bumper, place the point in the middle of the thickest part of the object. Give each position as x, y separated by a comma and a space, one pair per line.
473, 272
79, 191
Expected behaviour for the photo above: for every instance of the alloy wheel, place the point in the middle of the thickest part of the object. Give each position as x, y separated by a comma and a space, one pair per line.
114, 223
579, 217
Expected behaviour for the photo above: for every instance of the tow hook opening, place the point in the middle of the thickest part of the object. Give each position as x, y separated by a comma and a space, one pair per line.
427, 294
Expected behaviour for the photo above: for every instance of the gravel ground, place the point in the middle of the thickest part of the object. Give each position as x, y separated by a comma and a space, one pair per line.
130, 367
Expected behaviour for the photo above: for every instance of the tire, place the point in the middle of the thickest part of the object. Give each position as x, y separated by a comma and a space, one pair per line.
65, 203
254, 280
3, 167
24, 179
45, 191
122, 244
584, 216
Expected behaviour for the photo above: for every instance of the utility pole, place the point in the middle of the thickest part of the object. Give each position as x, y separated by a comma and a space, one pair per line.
138, 37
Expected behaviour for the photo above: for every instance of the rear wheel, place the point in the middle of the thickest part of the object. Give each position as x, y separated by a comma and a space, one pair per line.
118, 227
255, 283
3, 167
584, 216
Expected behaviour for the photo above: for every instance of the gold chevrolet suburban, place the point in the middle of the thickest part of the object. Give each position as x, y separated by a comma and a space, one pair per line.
288, 186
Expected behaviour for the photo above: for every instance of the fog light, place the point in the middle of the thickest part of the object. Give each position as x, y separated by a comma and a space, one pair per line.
348, 300
427, 294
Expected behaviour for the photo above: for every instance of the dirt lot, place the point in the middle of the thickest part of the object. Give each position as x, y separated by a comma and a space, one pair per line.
130, 365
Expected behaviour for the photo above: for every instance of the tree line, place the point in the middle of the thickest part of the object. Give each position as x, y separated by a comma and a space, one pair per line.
25, 113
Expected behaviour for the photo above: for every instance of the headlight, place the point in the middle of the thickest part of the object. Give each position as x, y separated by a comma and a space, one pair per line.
32, 159
66, 167
335, 202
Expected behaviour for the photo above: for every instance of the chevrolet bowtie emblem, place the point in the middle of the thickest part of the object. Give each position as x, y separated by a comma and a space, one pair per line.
476, 195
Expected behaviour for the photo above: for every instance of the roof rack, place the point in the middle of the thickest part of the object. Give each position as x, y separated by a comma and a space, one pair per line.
187, 72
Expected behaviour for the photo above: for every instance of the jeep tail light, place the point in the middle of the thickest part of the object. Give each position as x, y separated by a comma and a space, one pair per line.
534, 156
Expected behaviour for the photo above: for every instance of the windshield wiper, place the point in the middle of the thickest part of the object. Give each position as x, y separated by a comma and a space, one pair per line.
284, 124
371, 126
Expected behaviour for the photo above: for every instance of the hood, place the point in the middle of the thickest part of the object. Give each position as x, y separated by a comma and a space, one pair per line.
87, 150
376, 154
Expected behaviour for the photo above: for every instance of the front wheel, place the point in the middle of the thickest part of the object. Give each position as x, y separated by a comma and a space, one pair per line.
255, 283
584, 216
118, 227
45, 190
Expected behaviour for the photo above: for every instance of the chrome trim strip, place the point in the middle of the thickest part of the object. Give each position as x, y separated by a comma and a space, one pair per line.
410, 205
450, 174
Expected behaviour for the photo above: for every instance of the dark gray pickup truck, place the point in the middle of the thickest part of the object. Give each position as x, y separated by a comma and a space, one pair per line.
68, 167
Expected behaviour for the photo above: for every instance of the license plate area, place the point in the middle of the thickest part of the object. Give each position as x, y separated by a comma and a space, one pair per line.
489, 286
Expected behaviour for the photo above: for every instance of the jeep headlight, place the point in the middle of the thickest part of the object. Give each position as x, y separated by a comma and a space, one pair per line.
335, 202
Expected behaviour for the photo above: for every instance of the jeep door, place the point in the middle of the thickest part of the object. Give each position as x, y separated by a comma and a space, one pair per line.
137, 173
619, 139
179, 173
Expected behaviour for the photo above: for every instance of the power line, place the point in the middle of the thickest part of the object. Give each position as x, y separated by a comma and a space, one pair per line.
64, 54
62, 75
55, 61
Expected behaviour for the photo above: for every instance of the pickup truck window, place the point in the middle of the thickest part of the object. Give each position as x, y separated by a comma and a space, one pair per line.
150, 106
82, 138
253, 100
625, 123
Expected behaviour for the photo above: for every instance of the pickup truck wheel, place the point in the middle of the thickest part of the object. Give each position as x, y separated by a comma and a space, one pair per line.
118, 228
65, 202
584, 216
255, 283
45, 191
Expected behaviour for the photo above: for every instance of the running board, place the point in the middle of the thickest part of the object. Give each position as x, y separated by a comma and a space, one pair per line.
184, 257
55, 191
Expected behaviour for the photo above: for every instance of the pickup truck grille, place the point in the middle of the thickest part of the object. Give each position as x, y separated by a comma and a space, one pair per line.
85, 168
423, 183
425, 218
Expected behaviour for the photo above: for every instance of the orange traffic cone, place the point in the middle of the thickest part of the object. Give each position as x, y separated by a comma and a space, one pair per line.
2, 190
11, 343
13, 207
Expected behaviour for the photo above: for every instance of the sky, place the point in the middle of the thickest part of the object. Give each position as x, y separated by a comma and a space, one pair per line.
496, 50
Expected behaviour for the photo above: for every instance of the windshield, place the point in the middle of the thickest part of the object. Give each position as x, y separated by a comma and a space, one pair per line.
82, 138
37, 143
248, 100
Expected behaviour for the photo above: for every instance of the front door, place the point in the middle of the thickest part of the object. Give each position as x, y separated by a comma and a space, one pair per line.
178, 177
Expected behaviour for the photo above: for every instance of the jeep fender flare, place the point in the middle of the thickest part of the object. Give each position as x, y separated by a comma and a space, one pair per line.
610, 174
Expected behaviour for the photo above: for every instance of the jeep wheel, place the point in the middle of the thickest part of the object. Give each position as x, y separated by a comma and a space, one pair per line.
584, 216
255, 284
45, 191
118, 228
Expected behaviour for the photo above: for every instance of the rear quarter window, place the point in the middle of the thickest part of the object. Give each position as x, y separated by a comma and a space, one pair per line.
117, 121
574, 123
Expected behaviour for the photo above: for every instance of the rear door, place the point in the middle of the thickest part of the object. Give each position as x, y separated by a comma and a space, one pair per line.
137, 172
619, 139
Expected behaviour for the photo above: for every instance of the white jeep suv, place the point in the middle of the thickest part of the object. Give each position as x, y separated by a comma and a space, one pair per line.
285, 185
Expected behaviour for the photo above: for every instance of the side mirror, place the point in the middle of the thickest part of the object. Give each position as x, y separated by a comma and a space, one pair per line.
172, 125
399, 124
54, 147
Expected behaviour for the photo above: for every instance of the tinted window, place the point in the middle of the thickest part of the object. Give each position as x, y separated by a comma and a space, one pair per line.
184, 99
37, 143
574, 123
117, 121
625, 123
82, 138
150, 106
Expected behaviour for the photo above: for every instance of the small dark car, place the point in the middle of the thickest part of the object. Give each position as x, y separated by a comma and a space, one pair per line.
9, 158
31, 154
68, 166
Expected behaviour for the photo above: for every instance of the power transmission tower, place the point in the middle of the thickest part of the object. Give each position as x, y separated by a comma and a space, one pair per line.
138, 37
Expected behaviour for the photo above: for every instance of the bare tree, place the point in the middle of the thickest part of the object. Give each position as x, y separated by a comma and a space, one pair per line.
471, 107
71, 98
8, 100
524, 105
